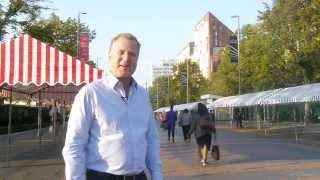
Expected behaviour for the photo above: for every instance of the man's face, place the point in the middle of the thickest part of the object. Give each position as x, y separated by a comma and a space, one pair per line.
123, 57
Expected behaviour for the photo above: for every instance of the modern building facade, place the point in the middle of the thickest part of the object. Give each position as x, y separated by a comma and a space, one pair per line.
165, 69
186, 53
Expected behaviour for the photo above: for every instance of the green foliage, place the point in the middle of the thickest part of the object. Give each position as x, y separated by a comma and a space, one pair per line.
177, 93
94, 65
296, 34
17, 14
277, 52
197, 84
159, 92
264, 63
58, 33
224, 82
282, 50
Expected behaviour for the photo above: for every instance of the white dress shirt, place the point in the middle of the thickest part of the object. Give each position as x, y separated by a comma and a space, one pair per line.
109, 132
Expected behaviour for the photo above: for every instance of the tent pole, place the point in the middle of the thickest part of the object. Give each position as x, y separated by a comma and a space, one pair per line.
306, 113
231, 122
9, 129
258, 116
261, 117
39, 120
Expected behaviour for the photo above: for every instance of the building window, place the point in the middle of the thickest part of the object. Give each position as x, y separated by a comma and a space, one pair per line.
216, 38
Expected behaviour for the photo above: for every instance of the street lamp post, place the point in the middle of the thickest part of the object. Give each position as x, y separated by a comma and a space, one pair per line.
239, 67
78, 34
169, 88
157, 94
187, 81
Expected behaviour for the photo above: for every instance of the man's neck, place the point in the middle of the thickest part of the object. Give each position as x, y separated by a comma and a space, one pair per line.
126, 85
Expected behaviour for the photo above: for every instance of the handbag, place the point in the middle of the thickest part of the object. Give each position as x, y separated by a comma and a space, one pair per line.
205, 123
50, 129
215, 152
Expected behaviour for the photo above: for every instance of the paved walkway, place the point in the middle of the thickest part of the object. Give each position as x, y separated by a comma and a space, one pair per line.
245, 155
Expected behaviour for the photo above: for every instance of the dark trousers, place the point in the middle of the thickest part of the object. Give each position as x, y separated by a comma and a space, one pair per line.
171, 133
239, 123
185, 130
96, 175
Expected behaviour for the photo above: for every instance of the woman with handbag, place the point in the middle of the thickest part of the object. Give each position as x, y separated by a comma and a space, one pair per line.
202, 126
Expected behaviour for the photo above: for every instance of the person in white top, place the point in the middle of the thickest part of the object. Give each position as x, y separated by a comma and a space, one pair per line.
111, 131
54, 117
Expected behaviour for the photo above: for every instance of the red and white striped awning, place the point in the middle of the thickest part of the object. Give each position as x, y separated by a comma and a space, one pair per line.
29, 66
26, 61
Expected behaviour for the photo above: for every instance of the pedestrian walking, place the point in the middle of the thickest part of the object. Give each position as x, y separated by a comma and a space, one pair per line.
54, 118
111, 131
171, 118
185, 123
238, 118
202, 127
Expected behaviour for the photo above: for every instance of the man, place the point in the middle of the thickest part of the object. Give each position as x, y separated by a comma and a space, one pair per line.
111, 131
54, 118
171, 118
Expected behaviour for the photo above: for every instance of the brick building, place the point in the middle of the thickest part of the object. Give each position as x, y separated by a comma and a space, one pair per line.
210, 36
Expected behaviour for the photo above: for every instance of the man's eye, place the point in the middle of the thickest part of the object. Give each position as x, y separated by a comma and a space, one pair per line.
132, 54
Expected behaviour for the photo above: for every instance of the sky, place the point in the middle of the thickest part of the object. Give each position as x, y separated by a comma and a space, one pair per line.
163, 27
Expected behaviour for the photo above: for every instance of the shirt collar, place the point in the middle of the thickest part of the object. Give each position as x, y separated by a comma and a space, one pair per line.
113, 81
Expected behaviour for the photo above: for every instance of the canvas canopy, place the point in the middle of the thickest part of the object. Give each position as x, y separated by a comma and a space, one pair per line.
298, 94
179, 107
37, 70
28, 65
304, 93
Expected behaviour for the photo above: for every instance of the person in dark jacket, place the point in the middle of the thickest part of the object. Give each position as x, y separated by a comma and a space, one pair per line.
171, 118
202, 127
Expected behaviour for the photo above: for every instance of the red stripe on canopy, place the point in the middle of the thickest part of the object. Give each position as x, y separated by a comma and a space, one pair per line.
65, 68
3, 62
47, 63
39, 63
56, 65
21, 58
38, 81
73, 67
11, 73
30, 60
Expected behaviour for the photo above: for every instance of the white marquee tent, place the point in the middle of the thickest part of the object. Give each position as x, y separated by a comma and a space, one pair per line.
304, 93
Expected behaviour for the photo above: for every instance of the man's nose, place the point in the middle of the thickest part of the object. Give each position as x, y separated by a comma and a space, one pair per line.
126, 57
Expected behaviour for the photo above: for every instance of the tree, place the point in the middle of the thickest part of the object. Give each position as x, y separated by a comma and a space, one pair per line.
176, 93
159, 92
17, 14
58, 33
297, 34
197, 84
263, 61
277, 52
224, 81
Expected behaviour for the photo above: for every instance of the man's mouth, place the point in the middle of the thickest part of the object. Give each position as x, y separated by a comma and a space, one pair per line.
124, 66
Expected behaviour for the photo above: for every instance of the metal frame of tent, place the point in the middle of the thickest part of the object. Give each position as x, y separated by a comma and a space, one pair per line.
32, 67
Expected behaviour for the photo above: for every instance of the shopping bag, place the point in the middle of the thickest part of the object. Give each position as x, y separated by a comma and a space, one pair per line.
51, 129
215, 152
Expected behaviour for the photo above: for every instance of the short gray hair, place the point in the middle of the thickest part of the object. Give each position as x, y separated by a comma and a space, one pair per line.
128, 36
